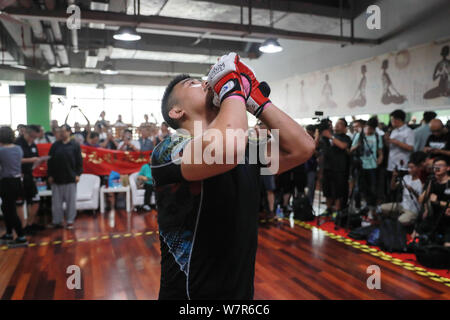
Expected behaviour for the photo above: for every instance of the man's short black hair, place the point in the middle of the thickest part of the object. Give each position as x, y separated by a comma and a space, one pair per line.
33, 127
128, 130
428, 116
418, 157
373, 122
441, 158
6, 135
398, 115
93, 135
168, 101
66, 127
345, 121
311, 127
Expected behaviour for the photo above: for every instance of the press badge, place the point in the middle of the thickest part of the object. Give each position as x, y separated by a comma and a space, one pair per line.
447, 191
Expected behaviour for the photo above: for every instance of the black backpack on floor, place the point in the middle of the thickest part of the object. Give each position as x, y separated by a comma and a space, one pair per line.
354, 217
303, 210
433, 256
361, 233
392, 236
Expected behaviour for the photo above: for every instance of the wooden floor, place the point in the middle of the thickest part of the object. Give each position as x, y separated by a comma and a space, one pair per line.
119, 257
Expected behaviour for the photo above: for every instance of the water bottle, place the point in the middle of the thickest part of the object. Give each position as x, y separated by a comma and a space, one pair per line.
279, 212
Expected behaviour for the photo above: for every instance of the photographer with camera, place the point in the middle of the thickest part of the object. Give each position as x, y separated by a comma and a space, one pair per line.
434, 222
367, 152
408, 209
336, 163
128, 144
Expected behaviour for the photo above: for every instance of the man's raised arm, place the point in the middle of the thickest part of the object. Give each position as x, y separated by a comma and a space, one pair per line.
224, 142
296, 145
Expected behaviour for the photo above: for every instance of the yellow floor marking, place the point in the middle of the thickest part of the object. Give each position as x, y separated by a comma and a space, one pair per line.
382, 255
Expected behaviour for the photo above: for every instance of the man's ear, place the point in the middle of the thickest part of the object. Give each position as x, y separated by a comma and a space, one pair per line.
176, 113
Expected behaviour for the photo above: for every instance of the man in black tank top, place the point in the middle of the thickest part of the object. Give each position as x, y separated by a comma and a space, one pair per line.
208, 210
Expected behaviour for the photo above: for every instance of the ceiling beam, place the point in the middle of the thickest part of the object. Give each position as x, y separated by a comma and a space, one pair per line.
8, 43
290, 6
188, 25
117, 79
162, 67
143, 67
97, 38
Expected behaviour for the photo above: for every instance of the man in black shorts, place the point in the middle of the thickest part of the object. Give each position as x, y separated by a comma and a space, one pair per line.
30, 192
208, 211
268, 187
336, 163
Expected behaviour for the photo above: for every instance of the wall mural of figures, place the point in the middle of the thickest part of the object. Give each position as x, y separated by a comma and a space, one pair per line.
413, 79
441, 73
327, 95
390, 94
359, 98
303, 104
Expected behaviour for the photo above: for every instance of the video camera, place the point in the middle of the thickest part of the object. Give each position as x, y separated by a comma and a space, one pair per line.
323, 123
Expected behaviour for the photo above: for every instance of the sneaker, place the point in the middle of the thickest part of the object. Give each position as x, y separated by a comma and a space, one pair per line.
19, 242
146, 208
55, 226
37, 227
270, 215
69, 226
29, 231
365, 223
6, 238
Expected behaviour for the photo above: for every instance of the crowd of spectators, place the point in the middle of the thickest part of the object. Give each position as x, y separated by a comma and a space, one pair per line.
398, 170
19, 155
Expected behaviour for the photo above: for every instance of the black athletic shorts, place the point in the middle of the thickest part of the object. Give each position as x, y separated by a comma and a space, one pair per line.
268, 182
285, 182
335, 184
29, 191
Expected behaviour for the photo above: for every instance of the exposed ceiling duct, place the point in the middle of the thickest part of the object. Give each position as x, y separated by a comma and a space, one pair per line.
60, 48
188, 25
73, 33
38, 32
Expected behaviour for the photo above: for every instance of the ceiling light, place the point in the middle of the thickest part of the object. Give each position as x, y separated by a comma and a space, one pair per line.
108, 67
127, 34
270, 46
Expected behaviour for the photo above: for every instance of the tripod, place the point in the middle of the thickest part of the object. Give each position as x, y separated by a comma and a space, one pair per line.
352, 202
395, 203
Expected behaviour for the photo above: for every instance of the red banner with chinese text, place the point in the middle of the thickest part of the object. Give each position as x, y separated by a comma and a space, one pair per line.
100, 161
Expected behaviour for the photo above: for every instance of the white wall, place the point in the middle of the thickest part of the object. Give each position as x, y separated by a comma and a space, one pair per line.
426, 20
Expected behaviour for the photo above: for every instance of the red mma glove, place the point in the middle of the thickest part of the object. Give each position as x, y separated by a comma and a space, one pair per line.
225, 79
259, 91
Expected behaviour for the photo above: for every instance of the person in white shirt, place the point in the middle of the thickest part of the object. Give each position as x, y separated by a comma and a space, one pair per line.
401, 144
408, 209
119, 122
128, 144
42, 138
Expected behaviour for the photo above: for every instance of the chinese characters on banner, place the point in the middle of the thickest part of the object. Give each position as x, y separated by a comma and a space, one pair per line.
100, 161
